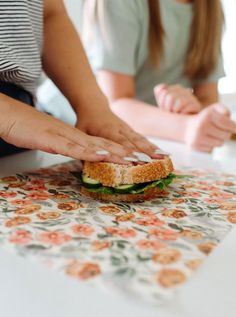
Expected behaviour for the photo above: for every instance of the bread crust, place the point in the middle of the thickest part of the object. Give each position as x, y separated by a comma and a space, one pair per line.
110, 174
149, 194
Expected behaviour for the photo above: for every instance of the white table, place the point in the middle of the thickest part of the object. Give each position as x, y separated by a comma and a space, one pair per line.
30, 290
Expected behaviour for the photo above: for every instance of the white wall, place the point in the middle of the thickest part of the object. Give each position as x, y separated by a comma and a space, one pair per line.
228, 84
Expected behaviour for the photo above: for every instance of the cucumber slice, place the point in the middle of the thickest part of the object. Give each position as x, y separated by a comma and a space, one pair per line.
90, 182
123, 189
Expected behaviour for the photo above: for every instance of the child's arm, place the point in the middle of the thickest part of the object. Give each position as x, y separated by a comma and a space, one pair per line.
202, 131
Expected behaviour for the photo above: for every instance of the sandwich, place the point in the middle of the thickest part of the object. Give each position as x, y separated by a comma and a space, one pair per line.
135, 182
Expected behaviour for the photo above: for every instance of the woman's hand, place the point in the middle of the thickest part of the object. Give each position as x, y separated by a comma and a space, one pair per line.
210, 128
26, 127
176, 99
107, 125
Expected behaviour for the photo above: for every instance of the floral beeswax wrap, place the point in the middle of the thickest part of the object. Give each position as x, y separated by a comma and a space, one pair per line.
147, 249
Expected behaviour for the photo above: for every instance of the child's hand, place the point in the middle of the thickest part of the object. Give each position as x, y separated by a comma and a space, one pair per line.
210, 128
176, 99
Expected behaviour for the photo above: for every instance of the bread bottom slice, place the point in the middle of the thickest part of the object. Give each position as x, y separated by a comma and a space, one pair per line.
149, 194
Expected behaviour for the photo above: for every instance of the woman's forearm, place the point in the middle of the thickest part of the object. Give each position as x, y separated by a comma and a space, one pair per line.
149, 120
64, 59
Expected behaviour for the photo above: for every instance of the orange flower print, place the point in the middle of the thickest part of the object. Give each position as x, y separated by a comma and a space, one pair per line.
83, 271
110, 210
231, 217
225, 183
197, 173
22, 202
151, 221
9, 179
60, 196
37, 182
191, 235
168, 278
59, 183
126, 217
167, 256
54, 237
127, 233
28, 210
207, 247
213, 201
228, 206
163, 234
193, 264
17, 184
51, 215
190, 194
83, 230
39, 195
68, 206
174, 213
5, 194
145, 213
206, 187
99, 245
30, 187
221, 194
17, 221
150, 244
21, 237
177, 201
202, 183
89, 270
121, 232
112, 230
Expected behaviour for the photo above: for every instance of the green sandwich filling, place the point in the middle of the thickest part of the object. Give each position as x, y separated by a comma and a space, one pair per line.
93, 185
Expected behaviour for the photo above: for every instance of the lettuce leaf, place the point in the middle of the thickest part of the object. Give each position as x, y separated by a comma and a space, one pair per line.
139, 189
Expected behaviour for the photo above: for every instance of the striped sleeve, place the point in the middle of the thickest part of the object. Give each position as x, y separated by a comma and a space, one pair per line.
21, 25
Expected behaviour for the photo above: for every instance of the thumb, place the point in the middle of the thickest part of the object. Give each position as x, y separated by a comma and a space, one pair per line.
159, 88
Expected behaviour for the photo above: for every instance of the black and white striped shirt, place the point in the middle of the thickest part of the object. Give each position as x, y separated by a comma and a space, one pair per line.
21, 28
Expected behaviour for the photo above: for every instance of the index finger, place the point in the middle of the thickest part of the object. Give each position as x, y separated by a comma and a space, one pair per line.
142, 144
223, 122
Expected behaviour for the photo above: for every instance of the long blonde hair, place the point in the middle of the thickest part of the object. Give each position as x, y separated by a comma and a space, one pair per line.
205, 36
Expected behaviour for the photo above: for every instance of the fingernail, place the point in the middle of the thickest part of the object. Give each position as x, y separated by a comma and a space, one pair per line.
102, 152
158, 151
221, 109
143, 157
130, 159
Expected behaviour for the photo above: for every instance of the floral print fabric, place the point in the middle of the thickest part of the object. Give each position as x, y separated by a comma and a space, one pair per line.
147, 249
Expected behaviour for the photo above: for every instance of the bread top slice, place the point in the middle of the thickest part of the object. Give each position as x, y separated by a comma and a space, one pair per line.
112, 175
